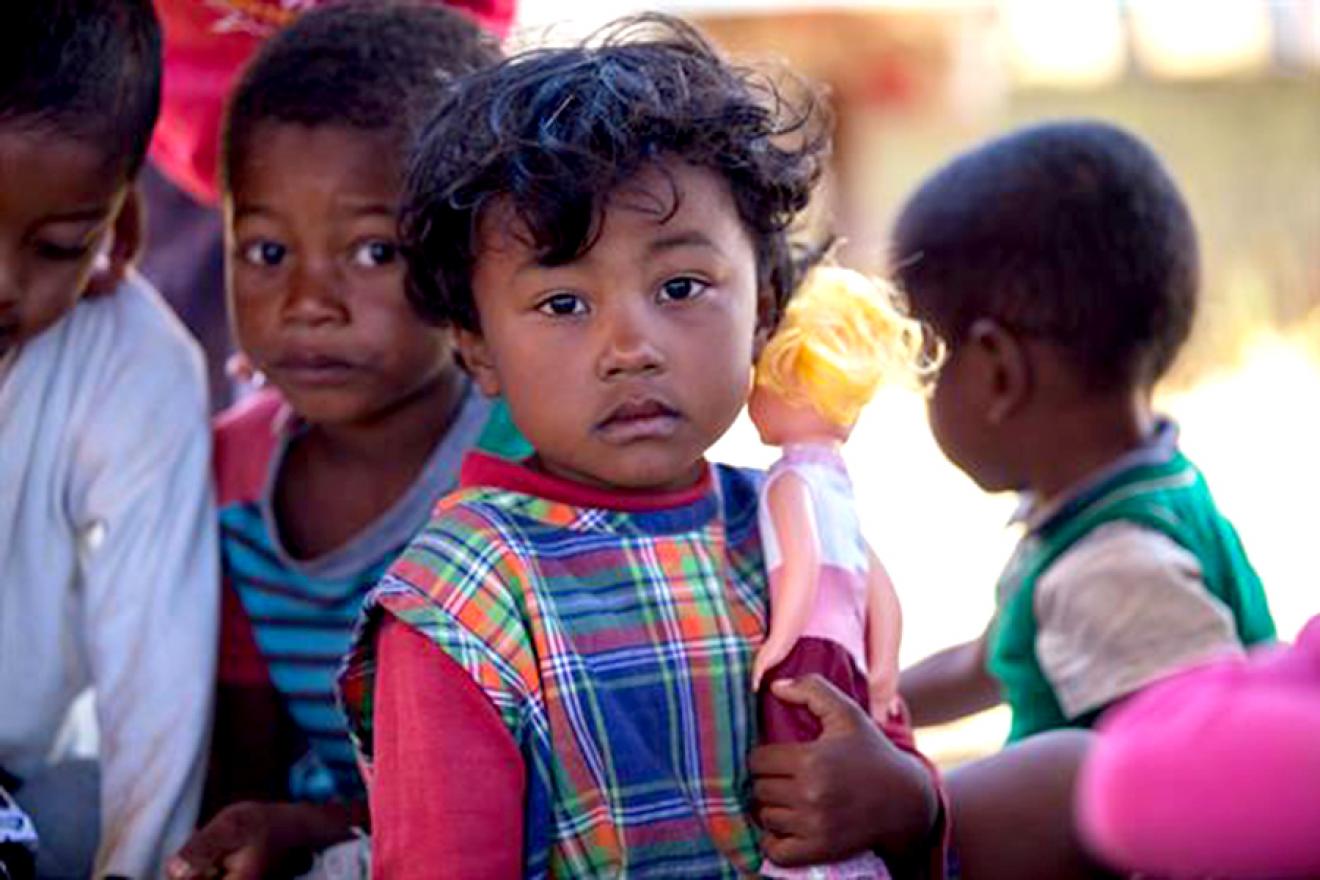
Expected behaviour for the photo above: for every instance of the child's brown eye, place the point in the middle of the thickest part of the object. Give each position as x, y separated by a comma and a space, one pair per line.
264, 253
680, 289
377, 252
562, 305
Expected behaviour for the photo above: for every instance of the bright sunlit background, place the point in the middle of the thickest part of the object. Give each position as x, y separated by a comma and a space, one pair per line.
1228, 91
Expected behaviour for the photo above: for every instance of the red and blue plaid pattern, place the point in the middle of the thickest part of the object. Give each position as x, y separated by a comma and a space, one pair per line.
617, 649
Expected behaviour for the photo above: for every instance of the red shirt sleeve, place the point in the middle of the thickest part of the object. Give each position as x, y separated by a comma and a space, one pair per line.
448, 782
240, 662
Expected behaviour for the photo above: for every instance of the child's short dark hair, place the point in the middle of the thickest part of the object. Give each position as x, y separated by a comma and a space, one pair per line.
1069, 231
86, 69
373, 66
557, 130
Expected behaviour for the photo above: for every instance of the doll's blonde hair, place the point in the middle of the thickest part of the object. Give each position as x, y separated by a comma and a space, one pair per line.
842, 336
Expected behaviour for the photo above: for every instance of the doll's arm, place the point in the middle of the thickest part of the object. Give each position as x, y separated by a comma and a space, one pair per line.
884, 631
793, 584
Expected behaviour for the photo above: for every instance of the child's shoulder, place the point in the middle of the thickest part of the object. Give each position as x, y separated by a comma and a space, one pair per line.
136, 329
115, 366
245, 438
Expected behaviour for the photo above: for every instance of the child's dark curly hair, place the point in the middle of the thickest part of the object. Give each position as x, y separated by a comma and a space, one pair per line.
556, 131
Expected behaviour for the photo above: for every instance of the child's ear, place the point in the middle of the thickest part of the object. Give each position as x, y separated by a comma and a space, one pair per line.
124, 243
1008, 369
474, 351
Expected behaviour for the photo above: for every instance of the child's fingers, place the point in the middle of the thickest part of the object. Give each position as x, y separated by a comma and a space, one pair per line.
777, 759
838, 715
181, 868
778, 821
788, 851
205, 853
776, 792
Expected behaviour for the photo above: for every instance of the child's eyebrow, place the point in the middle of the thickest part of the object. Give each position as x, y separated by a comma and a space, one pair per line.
257, 210
687, 238
363, 209
80, 215
372, 210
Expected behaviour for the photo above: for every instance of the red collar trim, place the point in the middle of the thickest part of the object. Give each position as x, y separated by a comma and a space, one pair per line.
483, 469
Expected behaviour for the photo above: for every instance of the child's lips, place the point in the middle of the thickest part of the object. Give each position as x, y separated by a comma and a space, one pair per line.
637, 420
313, 369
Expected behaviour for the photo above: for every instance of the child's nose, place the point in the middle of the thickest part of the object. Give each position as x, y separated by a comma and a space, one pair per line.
628, 348
313, 295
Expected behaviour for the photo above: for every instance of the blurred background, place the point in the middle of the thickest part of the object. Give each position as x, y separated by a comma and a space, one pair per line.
1227, 91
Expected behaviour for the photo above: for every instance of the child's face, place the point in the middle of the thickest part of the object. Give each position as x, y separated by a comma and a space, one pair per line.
969, 408
316, 283
59, 199
625, 365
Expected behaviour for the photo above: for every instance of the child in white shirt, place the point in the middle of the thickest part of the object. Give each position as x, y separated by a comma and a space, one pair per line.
107, 539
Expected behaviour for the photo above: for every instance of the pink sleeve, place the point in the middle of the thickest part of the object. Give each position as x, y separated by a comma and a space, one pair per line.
448, 781
1214, 771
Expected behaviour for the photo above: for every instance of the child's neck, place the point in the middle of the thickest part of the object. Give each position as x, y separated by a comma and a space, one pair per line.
338, 479
1082, 439
407, 432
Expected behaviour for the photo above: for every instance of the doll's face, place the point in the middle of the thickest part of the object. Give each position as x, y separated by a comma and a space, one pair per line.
780, 422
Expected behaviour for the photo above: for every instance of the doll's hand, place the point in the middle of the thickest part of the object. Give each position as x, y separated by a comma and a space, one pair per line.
849, 790
771, 653
882, 685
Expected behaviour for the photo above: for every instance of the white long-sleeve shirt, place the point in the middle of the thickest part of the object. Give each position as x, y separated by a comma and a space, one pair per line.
108, 563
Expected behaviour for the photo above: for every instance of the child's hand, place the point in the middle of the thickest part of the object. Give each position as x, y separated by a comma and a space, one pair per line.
849, 791
250, 840
238, 844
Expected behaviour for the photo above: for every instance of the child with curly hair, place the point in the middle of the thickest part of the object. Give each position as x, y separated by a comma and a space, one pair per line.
605, 225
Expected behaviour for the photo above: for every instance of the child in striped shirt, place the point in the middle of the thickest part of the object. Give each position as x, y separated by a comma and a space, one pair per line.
555, 677
327, 474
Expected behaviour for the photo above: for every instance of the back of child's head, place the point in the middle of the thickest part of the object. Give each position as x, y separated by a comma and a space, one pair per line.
369, 65
555, 132
1071, 232
88, 70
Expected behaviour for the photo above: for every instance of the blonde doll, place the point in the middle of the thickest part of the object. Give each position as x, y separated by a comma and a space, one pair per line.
833, 610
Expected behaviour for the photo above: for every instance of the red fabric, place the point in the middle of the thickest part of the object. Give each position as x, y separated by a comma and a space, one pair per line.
483, 469
206, 44
240, 661
244, 439
782, 722
447, 783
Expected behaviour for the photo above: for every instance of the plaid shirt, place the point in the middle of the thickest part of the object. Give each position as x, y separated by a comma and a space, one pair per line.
616, 647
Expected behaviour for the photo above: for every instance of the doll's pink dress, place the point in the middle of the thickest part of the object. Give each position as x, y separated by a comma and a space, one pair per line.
833, 642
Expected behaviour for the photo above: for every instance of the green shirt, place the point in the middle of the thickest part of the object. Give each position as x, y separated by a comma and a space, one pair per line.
1164, 493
